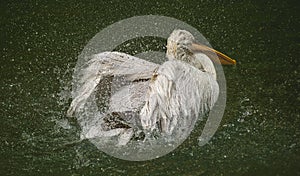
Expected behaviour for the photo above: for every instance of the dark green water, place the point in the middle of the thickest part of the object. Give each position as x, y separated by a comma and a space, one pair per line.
260, 130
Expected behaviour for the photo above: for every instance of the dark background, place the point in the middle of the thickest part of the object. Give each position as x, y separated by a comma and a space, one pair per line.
260, 130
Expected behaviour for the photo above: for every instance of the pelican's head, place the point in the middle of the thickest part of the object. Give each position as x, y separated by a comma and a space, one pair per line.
181, 45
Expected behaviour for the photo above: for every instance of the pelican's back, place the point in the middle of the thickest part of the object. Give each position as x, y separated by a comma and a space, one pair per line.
178, 94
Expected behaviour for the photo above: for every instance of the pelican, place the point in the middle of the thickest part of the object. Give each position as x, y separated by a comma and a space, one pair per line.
154, 97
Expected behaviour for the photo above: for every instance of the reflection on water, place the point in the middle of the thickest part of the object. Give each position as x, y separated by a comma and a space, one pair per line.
259, 134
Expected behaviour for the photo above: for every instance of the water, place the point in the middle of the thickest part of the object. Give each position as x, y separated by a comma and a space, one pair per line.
259, 133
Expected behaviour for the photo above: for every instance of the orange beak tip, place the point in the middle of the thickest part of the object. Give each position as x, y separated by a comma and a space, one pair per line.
234, 62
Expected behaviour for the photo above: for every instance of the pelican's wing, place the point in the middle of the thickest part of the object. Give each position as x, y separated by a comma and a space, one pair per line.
106, 65
177, 95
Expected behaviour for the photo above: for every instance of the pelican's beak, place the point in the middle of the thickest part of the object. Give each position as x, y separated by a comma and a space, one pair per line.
214, 55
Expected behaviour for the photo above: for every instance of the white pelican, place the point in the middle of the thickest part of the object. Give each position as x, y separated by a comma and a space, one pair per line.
154, 97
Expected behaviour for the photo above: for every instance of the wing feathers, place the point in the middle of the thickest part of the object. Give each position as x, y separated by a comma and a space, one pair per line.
105, 64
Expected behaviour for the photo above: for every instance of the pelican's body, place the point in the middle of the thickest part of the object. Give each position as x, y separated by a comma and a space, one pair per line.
153, 97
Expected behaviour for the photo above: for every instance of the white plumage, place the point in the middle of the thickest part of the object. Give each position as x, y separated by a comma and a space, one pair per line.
149, 96
180, 91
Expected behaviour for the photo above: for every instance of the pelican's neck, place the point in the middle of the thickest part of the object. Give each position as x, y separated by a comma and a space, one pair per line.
203, 62
198, 60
